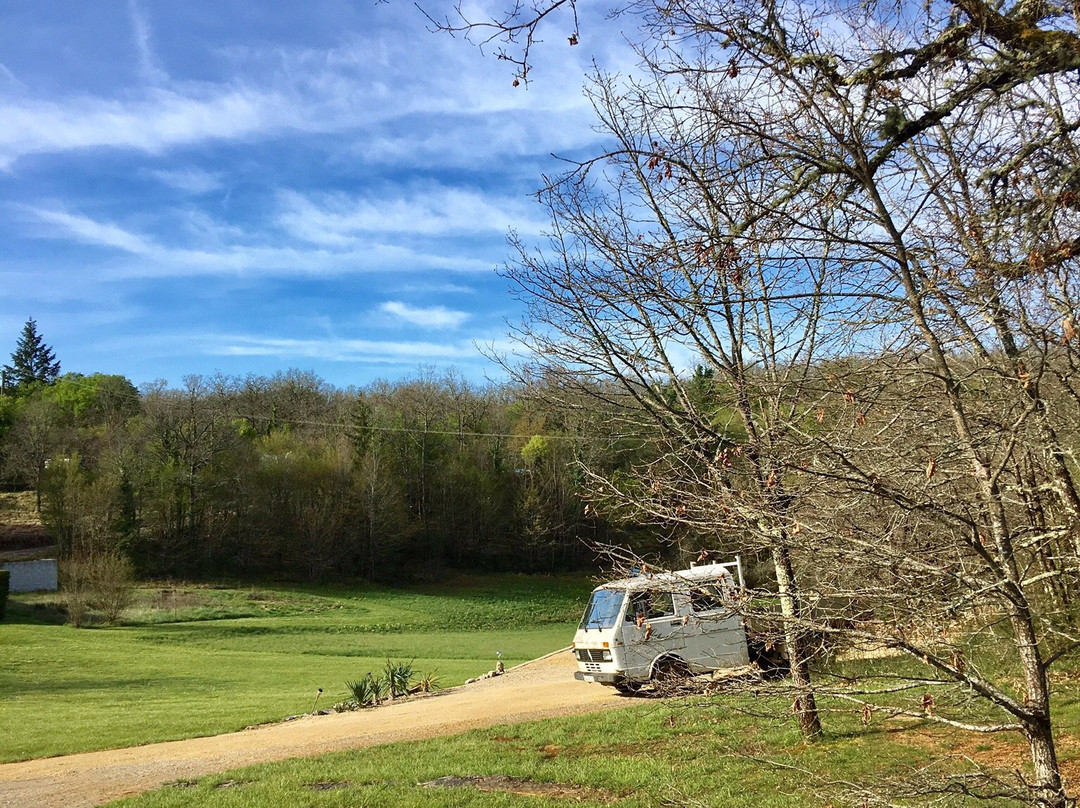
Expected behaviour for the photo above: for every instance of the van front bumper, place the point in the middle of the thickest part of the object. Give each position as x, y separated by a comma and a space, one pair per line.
601, 678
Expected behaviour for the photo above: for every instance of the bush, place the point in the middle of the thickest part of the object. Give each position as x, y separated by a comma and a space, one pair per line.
395, 682
113, 585
5, 582
74, 578
428, 683
100, 581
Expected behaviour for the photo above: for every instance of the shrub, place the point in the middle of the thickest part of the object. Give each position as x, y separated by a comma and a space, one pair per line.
428, 683
101, 581
369, 691
74, 578
112, 584
395, 681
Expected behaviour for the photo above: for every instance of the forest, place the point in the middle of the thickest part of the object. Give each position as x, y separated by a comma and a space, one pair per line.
288, 476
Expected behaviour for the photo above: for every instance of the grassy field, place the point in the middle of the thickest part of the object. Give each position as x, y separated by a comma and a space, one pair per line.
647, 756
192, 661
200, 660
684, 754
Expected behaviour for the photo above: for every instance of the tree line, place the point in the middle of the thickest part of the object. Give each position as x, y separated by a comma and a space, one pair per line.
288, 476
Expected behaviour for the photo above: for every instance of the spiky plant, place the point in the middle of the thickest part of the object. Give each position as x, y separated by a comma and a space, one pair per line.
398, 677
369, 691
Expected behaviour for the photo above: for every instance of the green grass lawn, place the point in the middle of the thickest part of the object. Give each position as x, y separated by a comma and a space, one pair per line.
693, 753
193, 661
198, 660
687, 754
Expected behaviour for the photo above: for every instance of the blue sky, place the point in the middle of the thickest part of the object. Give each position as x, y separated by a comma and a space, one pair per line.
247, 187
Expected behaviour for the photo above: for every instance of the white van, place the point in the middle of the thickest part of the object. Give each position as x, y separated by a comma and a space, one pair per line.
652, 626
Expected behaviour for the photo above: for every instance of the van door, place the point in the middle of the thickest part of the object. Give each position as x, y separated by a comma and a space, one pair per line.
650, 628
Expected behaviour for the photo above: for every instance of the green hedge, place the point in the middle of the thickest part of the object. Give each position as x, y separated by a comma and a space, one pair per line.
5, 581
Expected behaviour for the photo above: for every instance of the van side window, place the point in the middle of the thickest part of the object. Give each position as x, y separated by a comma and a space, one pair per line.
648, 605
661, 605
637, 607
706, 598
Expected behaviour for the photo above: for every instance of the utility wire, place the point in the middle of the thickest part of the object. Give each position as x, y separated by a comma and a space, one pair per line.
446, 432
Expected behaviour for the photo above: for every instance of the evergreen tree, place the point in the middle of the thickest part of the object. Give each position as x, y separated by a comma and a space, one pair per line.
32, 361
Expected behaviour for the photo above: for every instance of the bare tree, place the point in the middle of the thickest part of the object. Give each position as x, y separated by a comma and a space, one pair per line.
927, 118
661, 257
916, 163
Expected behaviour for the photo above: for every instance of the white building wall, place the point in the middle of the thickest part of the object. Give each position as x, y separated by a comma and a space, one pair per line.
32, 576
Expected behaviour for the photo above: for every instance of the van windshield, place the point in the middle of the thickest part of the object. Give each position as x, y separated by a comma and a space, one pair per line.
604, 609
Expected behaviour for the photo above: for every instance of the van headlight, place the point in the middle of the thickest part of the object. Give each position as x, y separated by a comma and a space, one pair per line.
606, 656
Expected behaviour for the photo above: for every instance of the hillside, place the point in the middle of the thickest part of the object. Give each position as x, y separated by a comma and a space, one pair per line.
20, 523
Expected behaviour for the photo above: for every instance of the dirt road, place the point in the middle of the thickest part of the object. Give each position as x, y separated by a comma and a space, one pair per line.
540, 689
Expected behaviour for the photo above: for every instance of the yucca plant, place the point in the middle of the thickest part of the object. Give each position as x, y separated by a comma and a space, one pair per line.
369, 691
398, 677
428, 683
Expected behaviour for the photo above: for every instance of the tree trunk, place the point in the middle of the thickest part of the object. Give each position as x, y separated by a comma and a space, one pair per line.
1047, 789
805, 706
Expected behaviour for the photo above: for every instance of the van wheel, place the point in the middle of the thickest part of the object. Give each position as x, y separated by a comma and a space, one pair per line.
670, 672
629, 688
773, 665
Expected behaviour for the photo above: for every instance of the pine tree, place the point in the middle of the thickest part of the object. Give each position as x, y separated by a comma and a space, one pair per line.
33, 360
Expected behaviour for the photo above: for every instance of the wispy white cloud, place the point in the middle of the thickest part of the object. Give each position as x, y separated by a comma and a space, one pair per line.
162, 119
219, 252
9, 80
432, 288
339, 350
506, 138
199, 227
90, 231
363, 85
340, 219
149, 68
190, 180
431, 317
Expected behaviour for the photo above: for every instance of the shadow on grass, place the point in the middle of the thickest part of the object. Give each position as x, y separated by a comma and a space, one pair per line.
72, 685
35, 614
223, 632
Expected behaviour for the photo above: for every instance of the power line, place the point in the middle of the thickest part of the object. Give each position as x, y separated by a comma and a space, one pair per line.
444, 432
